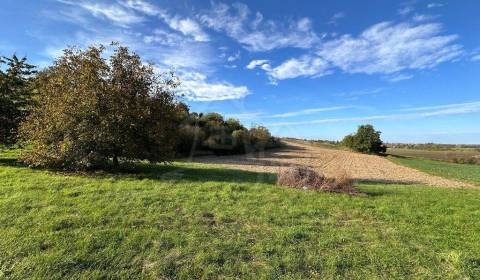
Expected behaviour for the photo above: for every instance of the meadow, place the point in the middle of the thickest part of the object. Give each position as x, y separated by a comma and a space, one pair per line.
200, 221
463, 172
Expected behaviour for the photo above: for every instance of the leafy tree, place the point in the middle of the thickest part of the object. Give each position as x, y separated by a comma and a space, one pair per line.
365, 140
233, 124
92, 110
259, 137
15, 96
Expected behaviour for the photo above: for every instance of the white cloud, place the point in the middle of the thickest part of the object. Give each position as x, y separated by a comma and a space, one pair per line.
304, 66
476, 57
400, 77
435, 5
336, 17
142, 6
187, 27
258, 62
388, 48
309, 111
184, 25
258, 34
405, 11
160, 36
234, 57
463, 106
358, 93
423, 18
115, 13
419, 112
195, 87
244, 116
384, 48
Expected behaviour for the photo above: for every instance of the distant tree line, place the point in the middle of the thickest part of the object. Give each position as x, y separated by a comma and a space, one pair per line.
87, 112
433, 146
211, 132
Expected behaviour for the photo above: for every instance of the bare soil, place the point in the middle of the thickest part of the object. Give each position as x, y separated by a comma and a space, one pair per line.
361, 167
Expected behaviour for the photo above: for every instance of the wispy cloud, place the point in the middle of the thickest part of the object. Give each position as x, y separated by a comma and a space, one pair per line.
185, 25
234, 57
405, 11
358, 93
244, 116
435, 5
336, 17
112, 12
255, 33
309, 111
463, 106
416, 113
399, 77
258, 62
384, 48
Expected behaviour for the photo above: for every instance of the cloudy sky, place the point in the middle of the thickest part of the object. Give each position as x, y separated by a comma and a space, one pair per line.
309, 69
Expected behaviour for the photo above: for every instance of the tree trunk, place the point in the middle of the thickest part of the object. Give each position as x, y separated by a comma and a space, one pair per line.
115, 161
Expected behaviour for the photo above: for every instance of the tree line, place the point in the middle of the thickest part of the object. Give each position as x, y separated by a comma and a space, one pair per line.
89, 111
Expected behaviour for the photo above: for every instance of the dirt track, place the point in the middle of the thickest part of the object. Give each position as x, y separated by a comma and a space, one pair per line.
329, 162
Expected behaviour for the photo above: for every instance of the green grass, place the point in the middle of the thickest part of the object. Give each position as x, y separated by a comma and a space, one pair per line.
192, 221
463, 172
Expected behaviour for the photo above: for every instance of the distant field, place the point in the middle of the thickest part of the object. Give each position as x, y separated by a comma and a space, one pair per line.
198, 221
469, 173
460, 155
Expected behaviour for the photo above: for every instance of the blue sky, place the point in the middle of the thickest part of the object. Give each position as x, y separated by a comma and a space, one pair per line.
308, 69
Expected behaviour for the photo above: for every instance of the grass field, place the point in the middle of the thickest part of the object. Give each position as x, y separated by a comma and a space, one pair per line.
193, 221
458, 155
463, 172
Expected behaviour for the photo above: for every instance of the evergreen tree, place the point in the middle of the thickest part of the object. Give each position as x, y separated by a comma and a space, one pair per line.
15, 96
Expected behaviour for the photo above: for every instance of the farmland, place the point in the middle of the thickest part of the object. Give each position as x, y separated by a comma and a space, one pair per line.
196, 220
361, 167
465, 155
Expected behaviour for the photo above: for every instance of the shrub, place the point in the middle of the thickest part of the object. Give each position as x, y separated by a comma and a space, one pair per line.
260, 138
221, 136
91, 111
365, 140
240, 140
190, 138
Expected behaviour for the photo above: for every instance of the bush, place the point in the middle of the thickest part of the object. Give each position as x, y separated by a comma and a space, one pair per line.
240, 140
220, 136
92, 111
190, 138
260, 138
365, 140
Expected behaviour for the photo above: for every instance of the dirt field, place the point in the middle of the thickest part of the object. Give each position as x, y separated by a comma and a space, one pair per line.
329, 162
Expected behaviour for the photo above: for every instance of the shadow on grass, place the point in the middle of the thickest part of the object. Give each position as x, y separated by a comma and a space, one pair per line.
10, 162
386, 182
162, 172
199, 174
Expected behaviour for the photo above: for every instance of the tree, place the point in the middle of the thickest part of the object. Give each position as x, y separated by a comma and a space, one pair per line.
365, 140
92, 110
15, 96
259, 137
